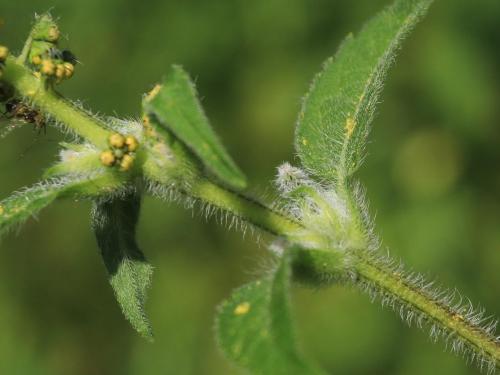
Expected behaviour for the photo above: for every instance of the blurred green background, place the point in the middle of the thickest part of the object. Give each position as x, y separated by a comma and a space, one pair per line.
432, 175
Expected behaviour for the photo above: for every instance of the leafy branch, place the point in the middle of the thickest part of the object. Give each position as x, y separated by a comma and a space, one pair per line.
322, 231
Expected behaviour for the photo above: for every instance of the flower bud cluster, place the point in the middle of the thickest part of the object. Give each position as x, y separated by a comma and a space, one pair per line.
121, 152
45, 57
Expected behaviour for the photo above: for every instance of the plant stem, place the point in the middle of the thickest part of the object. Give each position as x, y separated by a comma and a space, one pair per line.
26, 49
245, 208
394, 283
51, 103
367, 268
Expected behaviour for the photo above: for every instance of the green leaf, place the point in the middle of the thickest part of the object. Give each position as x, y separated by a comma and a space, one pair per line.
255, 330
15, 209
336, 113
114, 223
176, 106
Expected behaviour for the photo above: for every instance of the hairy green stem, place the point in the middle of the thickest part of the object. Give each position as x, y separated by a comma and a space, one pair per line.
245, 208
51, 103
395, 284
26, 49
366, 267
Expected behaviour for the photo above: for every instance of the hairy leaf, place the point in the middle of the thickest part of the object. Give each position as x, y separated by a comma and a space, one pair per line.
175, 104
114, 223
336, 113
255, 330
15, 209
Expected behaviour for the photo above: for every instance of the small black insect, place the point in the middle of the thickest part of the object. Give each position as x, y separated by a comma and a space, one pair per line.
65, 55
68, 56
15, 109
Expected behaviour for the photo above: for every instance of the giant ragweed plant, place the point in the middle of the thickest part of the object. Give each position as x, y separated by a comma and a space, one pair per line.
321, 229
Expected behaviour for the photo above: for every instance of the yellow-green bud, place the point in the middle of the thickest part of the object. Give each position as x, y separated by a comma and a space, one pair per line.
68, 69
36, 60
60, 71
48, 67
126, 162
132, 143
107, 158
4, 52
116, 140
53, 34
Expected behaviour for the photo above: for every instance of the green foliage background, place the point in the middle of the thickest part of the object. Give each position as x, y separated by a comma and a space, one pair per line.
432, 176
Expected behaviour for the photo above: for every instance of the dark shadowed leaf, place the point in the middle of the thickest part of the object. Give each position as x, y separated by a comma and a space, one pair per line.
114, 223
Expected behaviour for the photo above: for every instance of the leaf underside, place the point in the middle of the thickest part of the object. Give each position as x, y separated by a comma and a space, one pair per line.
336, 113
178, 109
114, 223
255, 330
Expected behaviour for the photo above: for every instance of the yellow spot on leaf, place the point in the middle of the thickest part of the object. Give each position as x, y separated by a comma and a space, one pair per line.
153, 92
1, 210
304, 141
350, 124
242, 308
